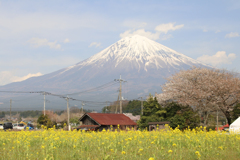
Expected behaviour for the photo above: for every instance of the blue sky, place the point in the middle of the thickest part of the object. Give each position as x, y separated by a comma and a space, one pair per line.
39, 37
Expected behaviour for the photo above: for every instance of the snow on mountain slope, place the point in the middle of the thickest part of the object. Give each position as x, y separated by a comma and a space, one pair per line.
137, 52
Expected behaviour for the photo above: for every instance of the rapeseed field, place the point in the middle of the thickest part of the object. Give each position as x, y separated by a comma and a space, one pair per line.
128, 145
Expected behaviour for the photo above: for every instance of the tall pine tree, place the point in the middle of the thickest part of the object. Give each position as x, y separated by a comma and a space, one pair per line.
152, 112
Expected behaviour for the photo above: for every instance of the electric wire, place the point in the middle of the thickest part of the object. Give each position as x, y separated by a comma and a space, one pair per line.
86, 102
96, 88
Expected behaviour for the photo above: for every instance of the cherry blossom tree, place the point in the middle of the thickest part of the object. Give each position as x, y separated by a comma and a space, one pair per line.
204, 89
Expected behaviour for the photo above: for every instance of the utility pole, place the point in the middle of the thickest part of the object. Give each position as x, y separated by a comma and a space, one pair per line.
82, 107
68, 113
141, 106
10, 109
44, 103
120, 95
217, 120
117, 105
120, 92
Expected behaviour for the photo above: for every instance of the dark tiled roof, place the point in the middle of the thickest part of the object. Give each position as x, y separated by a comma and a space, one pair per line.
111, 119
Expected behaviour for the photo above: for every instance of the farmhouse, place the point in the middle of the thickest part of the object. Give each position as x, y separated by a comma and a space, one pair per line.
100, 121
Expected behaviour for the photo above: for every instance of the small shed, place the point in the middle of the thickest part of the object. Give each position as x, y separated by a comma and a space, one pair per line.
100, 121
157, 125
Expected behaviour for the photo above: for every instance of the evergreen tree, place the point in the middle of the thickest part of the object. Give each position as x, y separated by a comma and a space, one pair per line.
171, 110
152, 112
44, 120
184, 118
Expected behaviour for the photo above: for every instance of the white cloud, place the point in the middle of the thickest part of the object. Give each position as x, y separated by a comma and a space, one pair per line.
96, 44
217, 31
205, 30
219, 58
9, 77
18, 79
161, 31
1, 103
37, 42
232, 34
168, 27
142, 32
66, 40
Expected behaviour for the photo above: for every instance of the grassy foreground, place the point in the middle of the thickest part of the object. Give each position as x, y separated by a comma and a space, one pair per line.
172, 144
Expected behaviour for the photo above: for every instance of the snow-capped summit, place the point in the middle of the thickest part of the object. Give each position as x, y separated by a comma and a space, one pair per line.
137, 52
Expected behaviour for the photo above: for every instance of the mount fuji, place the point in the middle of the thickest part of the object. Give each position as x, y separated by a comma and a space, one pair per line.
142, 62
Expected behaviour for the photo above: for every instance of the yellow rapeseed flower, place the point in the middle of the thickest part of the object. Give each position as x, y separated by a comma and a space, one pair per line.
151, 158
123, 152
170, 151
198, 154
220, 147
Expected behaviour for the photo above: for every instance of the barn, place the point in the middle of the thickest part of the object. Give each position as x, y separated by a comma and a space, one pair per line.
100, 121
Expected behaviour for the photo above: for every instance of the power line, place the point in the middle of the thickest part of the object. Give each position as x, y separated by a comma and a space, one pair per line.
63, 96
95, 89
22, 91
17, 100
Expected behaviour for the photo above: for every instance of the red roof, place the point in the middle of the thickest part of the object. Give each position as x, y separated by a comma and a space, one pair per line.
111, 119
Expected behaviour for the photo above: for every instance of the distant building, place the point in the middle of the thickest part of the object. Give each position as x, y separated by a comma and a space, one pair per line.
100, 121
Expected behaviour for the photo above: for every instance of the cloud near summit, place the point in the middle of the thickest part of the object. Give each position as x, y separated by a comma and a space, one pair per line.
160, 31
219, 58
